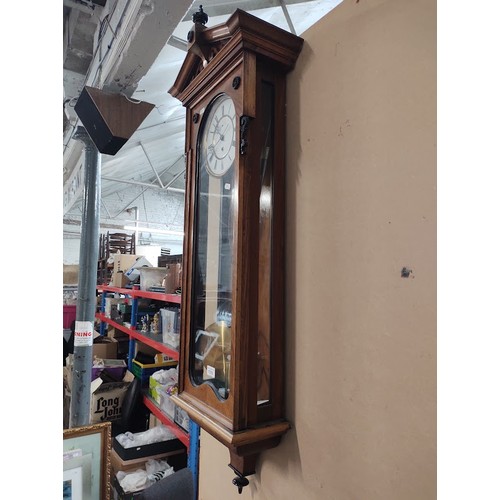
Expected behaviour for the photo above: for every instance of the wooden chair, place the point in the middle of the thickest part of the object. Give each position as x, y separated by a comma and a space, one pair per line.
111, 243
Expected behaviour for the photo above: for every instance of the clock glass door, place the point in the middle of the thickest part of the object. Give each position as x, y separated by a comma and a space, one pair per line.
265, 244
213, 263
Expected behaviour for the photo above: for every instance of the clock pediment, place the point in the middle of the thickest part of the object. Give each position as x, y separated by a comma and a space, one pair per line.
241, 31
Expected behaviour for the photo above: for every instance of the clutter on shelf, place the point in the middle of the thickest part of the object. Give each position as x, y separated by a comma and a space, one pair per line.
143, 478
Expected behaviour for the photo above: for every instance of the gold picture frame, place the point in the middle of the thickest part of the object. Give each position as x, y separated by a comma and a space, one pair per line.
87, 450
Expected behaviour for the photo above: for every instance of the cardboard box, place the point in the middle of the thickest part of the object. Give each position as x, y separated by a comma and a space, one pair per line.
116, 368
147, 349
68, 372
114, 333
122, 262
173, 278
67, 377
152, 277
125, 375
107, 398
178, 462
70, 274
132, 273
118, 279
147, 450
118, 464
105, 347
119, 494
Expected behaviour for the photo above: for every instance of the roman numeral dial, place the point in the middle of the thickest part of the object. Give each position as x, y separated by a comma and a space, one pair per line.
219, 141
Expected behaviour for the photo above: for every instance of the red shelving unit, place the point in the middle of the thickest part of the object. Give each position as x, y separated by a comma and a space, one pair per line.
153, 341
146, 339
179, 432
173, 298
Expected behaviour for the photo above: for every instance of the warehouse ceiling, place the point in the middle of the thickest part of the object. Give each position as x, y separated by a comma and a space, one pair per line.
135, 48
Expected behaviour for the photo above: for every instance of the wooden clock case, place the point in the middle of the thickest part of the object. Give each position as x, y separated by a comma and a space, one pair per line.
247, 59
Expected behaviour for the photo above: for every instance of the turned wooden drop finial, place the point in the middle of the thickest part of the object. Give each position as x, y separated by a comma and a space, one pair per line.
200, 16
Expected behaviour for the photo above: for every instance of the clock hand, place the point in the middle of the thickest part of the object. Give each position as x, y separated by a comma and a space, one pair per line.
221, 136
223, 133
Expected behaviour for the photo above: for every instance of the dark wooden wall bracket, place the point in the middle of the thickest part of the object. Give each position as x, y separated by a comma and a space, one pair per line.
244, 124
244, 446
244, 459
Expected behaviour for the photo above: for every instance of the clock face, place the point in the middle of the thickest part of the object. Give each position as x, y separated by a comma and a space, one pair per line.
219, 136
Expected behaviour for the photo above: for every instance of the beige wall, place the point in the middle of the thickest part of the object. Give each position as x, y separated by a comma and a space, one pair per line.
361, 350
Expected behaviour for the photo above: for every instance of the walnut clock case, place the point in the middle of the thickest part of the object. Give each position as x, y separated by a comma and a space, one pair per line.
233, 86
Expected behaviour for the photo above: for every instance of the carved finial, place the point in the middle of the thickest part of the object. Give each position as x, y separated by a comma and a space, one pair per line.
240, 482
200, 16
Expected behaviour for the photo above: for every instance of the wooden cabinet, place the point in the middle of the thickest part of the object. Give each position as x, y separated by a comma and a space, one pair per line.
164, 260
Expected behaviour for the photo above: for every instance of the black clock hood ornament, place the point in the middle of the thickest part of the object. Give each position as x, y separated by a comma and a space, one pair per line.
200, 16
195, 35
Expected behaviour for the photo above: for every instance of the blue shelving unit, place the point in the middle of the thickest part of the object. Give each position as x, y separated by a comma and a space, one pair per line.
194, 453
191, 438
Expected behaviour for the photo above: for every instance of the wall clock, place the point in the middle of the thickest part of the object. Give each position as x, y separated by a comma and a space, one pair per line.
231, 371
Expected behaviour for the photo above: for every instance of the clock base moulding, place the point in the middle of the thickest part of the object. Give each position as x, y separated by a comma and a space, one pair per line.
244, 446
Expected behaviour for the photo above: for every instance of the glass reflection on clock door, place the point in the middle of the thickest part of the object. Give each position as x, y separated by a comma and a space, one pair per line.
212, 285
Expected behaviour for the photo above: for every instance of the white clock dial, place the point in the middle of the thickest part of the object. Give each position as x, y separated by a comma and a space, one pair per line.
220, 136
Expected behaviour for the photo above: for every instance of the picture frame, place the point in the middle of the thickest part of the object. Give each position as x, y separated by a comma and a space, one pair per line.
87, 462
72, 484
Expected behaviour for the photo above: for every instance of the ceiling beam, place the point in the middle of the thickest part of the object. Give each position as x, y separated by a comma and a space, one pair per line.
133, 36
178, 43
150, 30
144, 184
82, 6
151, 165
227, 7
287, 17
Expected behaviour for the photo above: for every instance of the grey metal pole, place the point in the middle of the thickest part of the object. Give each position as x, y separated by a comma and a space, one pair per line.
87, 282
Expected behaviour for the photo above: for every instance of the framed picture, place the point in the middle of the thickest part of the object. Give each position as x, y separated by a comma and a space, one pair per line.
87, 462
72, 484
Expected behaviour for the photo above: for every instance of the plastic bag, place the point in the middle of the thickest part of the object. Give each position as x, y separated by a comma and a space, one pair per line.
166, 377
143, 478
154, 435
